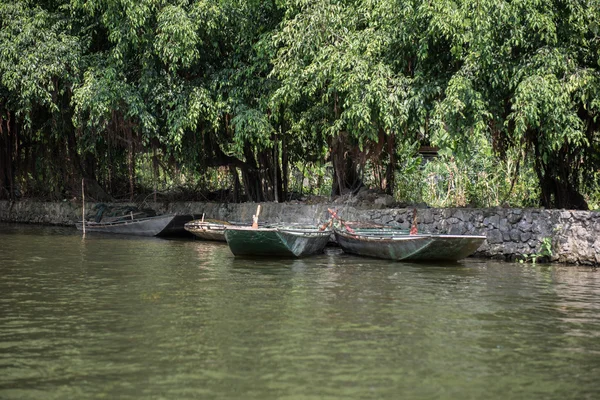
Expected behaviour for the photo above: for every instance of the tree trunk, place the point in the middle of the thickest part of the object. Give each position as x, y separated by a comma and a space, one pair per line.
266, 175
282, 172
7, 162
251, 177
556, 193
284, 169
236, 183
154, 170
276, 173
130, 165
345, 172
390, 173
252, 184
75, 167
558, 178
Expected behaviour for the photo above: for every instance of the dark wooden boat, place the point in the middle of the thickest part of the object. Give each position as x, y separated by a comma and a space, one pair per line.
161, 225
208, 229
397, 244
280, 241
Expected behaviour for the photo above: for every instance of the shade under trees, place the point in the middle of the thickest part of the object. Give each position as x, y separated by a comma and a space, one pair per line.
88, 88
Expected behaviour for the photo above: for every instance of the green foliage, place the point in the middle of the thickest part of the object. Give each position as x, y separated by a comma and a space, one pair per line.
39, 59
177, 39
593, 196
311, 179
544, 253
251, 127
479, 182
332, 54
410, 174
528, 71
508, 90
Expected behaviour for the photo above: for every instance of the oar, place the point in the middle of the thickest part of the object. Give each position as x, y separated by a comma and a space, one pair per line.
413, 228
326, 225
255, 218
335, 215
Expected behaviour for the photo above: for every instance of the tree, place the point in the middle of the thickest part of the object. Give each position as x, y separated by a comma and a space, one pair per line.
332, 62
188, 78
39, 66
89, 88
528, 78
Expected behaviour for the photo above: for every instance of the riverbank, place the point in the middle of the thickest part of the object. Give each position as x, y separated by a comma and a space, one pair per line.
511, 233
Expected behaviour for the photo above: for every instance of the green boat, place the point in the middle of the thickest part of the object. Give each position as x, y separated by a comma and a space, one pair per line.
397, 244
283, 241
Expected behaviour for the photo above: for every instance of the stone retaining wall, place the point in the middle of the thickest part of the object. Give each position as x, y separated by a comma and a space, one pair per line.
511, 233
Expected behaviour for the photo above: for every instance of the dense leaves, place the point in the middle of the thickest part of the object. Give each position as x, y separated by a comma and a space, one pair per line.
114, 91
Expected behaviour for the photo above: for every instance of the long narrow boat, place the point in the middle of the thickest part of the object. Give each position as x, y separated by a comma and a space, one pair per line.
212, 229
394, 244
161, 225
282, 241
208, 229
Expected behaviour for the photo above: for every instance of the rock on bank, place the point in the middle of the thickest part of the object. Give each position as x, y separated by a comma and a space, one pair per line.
511, 233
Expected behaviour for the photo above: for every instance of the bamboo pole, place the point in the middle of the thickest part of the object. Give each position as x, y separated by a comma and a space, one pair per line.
83, 203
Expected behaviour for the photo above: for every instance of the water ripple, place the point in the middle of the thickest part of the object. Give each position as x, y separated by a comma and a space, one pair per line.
129, 318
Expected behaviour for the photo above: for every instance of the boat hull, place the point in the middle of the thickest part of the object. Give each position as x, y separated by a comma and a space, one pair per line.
207, 230
409, 247
276, 242
449, 248
162, 225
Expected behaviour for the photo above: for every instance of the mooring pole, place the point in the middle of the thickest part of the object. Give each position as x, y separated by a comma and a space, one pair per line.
83, 203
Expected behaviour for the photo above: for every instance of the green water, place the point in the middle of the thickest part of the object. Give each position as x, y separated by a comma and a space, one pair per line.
113, 317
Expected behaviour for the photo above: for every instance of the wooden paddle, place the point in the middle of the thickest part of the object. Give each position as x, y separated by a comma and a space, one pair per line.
255, 218
334, 215
413, 228
326, 224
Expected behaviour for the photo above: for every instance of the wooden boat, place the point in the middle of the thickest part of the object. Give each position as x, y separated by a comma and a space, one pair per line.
208, 229
280, 241
399, 245
212, 229
161, 225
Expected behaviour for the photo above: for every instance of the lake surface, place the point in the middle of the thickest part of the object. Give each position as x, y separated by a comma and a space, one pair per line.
143, 318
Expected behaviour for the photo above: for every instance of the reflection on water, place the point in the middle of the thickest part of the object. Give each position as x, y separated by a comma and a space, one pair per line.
122, 317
